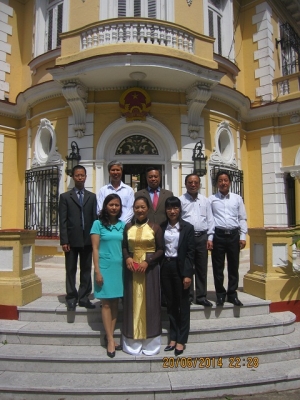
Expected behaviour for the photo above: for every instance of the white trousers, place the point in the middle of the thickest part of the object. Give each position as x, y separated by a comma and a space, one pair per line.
137, 347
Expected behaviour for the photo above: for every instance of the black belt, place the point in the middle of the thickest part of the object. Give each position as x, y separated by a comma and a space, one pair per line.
170, 258
222, 231
200, 233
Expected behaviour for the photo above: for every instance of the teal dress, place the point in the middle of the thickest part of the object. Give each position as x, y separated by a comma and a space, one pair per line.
110, 259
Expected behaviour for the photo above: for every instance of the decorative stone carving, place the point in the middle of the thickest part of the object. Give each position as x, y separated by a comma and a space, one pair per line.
295, 174
295, 118
45, 146
223, 153
197, 97
76, 95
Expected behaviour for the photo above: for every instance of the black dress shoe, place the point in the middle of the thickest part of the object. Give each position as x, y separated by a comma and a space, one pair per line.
204, 303
71, 305
178, 352
111, 354
87, 304
235, 301
169, 348
220, 302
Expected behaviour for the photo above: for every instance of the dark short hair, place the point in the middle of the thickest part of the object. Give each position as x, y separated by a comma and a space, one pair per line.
189, 175
114, 162
142, 198
78, 167
223, 172
148, 169
172, 201
103, 216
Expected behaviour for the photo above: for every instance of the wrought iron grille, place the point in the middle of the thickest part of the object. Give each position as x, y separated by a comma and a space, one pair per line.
290, 49
237, 180
41, 201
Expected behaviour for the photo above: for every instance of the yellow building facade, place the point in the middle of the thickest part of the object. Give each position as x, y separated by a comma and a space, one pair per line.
223, 72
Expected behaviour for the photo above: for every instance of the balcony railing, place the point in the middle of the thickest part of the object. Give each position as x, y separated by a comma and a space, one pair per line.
287, 85
137, 32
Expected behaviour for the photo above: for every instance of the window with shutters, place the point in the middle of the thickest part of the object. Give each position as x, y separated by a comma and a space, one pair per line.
215, 23
51, 19
154, 9
54, 24
137, 8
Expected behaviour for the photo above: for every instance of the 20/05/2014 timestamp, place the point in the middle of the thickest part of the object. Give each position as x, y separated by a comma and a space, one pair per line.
210, 362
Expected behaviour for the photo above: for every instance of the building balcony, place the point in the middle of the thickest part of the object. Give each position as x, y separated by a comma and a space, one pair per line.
137, 35
287, 87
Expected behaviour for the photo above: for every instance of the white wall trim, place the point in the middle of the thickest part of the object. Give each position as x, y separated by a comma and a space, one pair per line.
152, 129
274, 202
5, 48
1, 175
265, 51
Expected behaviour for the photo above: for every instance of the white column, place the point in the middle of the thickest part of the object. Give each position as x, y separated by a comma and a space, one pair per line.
265, 51
274, 202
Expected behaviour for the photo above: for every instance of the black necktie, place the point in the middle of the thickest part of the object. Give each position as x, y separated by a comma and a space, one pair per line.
80, 192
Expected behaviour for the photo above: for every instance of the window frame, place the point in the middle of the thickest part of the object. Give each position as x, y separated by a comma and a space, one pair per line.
40, 45
164, 9
226, 13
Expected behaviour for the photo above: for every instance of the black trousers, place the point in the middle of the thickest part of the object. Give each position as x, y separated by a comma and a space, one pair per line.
178, 306
85, 261
200, 262
228, 245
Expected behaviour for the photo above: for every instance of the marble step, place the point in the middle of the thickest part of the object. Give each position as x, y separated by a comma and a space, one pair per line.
53, 309
91, 333
172, 385
234, 354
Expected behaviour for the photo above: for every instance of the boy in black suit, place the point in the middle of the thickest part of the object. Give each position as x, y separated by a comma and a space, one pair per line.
77, 212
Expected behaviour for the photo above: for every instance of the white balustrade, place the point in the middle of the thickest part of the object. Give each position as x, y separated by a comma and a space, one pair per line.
134, 32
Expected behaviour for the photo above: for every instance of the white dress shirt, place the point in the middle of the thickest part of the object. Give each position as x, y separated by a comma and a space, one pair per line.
198, 213
171, 240
126, 194
229, 212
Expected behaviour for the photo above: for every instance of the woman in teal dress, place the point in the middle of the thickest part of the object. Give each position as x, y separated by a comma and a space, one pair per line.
107, 236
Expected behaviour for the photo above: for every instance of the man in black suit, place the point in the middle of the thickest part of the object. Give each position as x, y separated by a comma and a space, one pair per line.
155, 195
77, 212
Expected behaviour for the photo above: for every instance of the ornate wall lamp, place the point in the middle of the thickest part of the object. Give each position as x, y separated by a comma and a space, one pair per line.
73, 158
199, 160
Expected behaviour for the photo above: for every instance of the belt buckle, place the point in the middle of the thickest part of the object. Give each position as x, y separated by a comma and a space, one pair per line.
226, 232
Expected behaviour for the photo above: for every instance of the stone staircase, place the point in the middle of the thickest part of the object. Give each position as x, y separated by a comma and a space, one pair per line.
50, 353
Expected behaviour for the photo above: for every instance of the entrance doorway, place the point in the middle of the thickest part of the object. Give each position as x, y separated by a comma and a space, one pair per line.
134, 175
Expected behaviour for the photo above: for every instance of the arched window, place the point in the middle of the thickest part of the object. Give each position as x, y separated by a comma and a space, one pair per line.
137, 144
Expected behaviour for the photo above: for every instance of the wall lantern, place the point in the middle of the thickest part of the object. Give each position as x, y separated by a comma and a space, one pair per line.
199, 160
73, 158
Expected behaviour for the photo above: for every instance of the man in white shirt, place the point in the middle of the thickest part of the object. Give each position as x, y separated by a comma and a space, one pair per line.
197, 211
229, 238
126, 193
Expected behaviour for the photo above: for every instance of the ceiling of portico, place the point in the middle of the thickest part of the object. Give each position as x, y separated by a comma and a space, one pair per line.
162, 73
